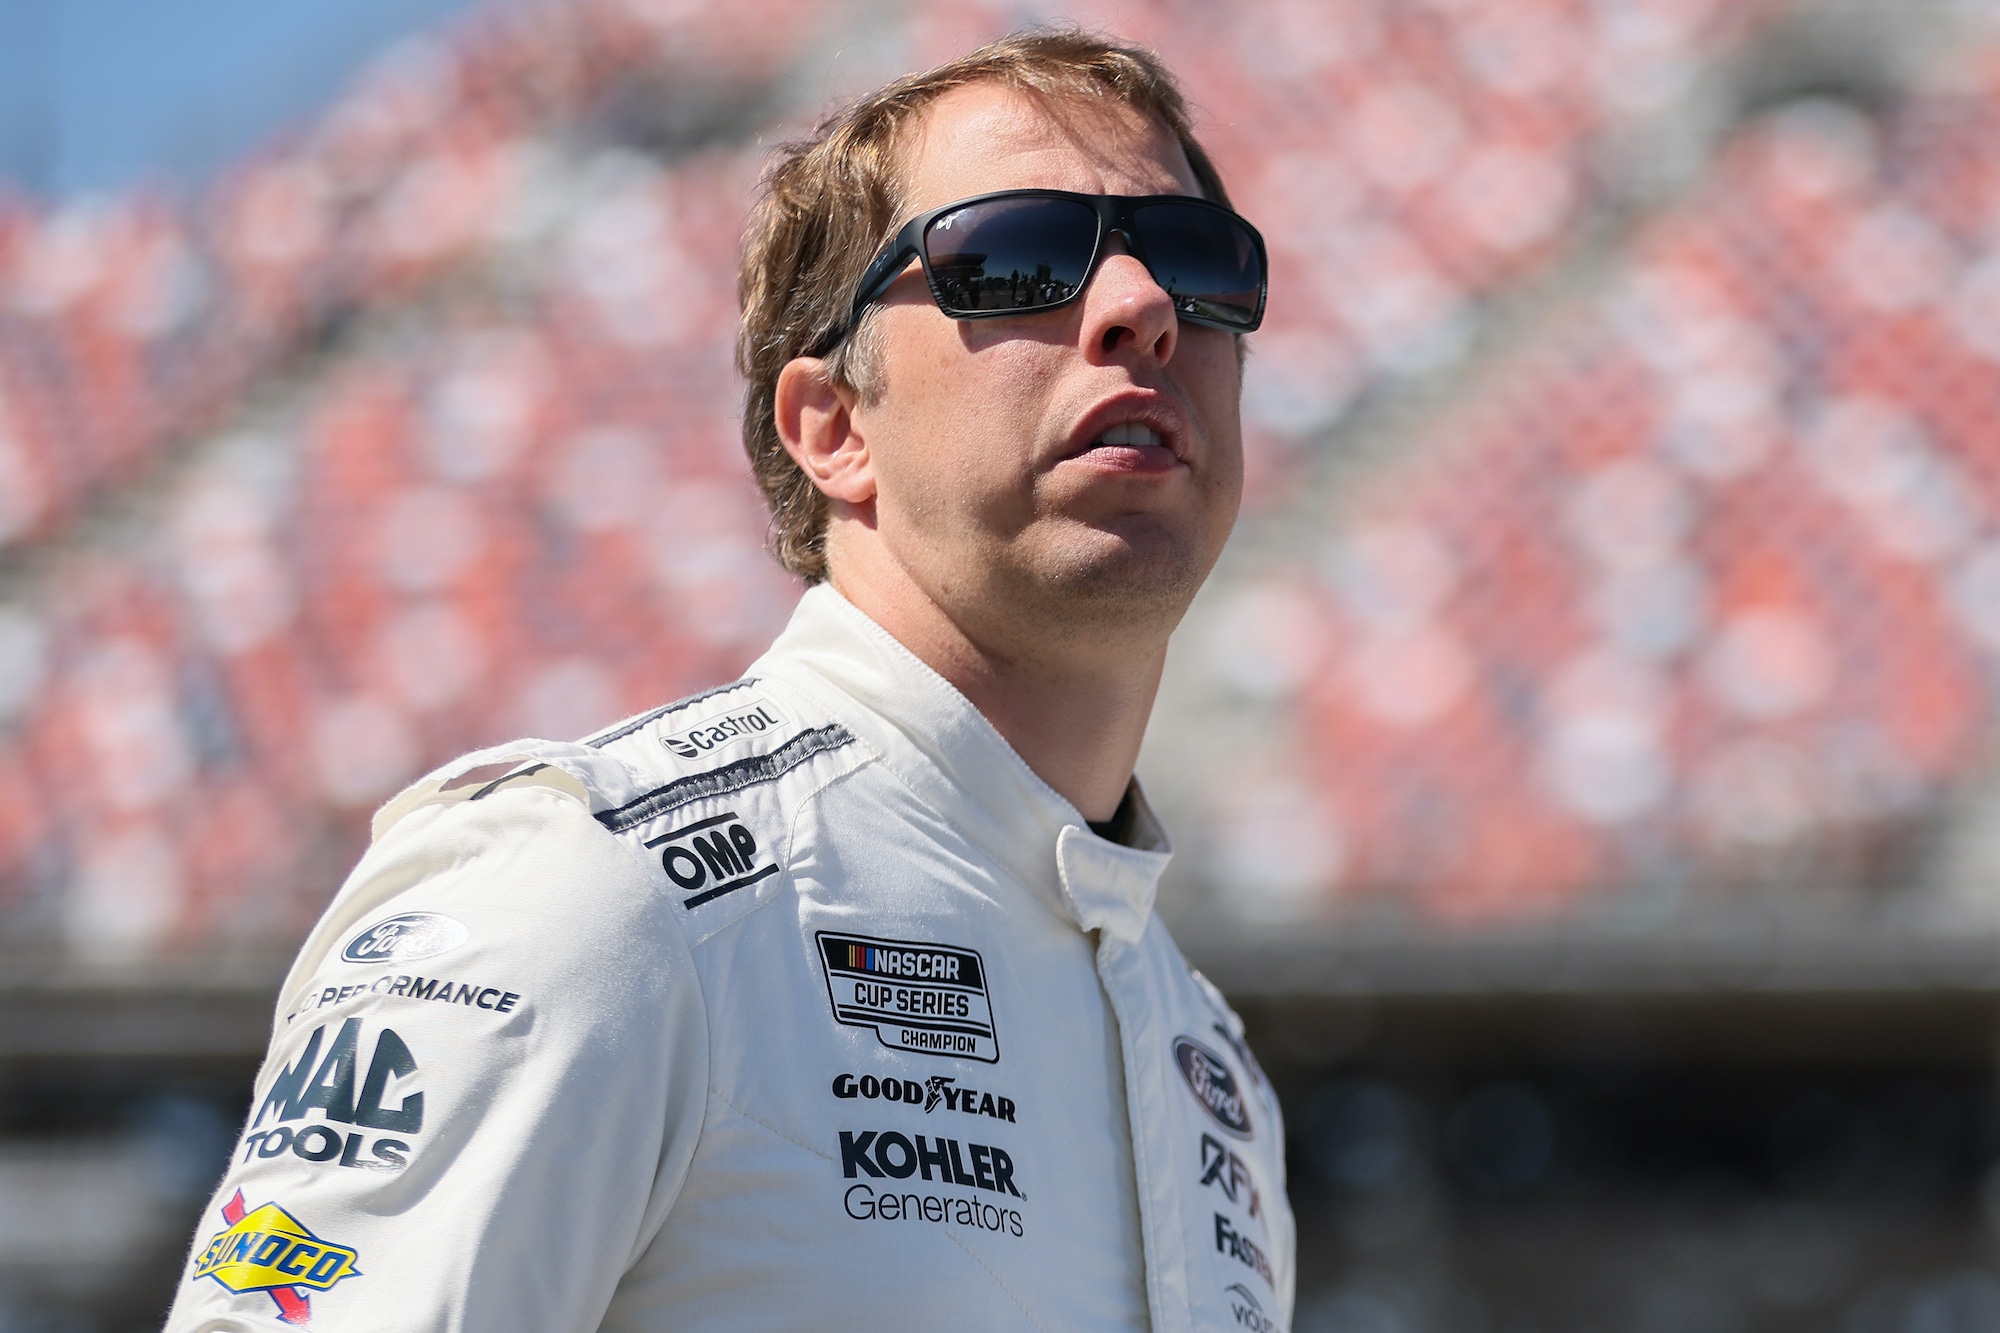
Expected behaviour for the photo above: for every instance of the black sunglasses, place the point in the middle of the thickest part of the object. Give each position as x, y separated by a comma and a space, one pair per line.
1015, 252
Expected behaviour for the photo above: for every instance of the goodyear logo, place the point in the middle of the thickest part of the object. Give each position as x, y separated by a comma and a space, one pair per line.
267, 1249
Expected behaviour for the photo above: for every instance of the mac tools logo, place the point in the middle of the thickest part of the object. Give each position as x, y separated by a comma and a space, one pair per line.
929, 998
1213, 1086
333, 1084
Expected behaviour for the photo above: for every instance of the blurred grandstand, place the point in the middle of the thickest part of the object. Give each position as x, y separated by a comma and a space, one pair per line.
1615, 623
418, 428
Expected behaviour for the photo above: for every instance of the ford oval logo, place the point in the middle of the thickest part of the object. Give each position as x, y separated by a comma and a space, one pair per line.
1213, 1086
405, 939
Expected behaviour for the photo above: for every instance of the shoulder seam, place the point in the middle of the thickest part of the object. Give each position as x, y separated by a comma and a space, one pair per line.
624, 729
502, 780
733, 777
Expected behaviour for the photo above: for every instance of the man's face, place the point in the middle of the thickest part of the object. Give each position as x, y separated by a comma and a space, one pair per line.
995, 490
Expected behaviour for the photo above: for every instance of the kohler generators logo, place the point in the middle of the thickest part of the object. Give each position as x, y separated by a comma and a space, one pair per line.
1213, 1086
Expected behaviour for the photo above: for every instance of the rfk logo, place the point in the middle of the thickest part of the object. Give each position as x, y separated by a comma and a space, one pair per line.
1229, 1173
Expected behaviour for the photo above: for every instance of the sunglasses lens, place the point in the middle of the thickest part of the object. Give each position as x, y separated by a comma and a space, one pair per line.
1206, 259
1011, 254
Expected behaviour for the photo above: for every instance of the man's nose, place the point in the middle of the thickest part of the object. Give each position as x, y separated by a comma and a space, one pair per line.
1125, 311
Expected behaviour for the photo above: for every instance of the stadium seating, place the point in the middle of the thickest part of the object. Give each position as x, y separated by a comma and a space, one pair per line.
1698, 596
418, 429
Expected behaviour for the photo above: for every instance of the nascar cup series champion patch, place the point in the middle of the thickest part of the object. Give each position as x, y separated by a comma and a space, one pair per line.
928, 998
267, 1249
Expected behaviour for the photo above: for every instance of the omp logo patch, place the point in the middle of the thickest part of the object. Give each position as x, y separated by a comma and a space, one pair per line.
406, 938
928, 998
722, 733
712, 857
267, 1249
1213, 1086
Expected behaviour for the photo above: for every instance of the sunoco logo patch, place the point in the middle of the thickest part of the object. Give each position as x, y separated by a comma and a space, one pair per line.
1213, 1086
406, 939
267, 1249
928, 998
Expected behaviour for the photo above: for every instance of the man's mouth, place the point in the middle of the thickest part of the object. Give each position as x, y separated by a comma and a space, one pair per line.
1129, 446
1132, 434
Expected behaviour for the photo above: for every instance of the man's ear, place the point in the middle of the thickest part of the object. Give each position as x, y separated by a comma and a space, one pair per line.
816, 424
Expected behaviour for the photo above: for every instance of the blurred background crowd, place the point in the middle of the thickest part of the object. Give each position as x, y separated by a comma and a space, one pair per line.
1582, 764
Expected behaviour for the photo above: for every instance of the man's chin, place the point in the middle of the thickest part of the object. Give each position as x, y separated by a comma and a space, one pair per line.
1126, 577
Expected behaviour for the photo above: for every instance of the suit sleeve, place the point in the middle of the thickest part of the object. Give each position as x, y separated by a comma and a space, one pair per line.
484, 1085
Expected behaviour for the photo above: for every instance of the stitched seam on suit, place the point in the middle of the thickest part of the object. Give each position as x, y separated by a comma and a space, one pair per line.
769, 1128
728, 779
598, 742
998, 1281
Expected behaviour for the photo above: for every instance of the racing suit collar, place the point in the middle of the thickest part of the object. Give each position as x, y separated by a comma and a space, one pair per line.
932, 737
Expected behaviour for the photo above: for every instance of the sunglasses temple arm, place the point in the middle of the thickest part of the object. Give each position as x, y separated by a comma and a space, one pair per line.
884, 271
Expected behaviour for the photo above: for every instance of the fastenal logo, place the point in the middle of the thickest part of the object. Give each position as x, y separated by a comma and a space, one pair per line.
406, 938
928, 998
1230, 1241
723, 732
267, 1249
1213, 1086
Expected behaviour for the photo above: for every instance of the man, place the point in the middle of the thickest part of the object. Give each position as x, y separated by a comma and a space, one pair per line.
834, 996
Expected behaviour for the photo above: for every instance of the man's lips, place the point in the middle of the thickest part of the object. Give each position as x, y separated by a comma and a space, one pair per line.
1146, 454
1127, 437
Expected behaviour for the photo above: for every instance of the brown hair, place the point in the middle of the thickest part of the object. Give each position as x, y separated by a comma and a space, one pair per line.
830, 201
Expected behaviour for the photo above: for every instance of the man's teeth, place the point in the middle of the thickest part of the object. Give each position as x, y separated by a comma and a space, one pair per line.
1131, 434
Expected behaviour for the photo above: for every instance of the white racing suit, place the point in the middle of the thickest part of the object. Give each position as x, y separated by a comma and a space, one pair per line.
802, 1002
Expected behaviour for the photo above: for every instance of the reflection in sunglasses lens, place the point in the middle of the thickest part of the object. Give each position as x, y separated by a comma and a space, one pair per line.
1011, 254
1033, 253
1206, 261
